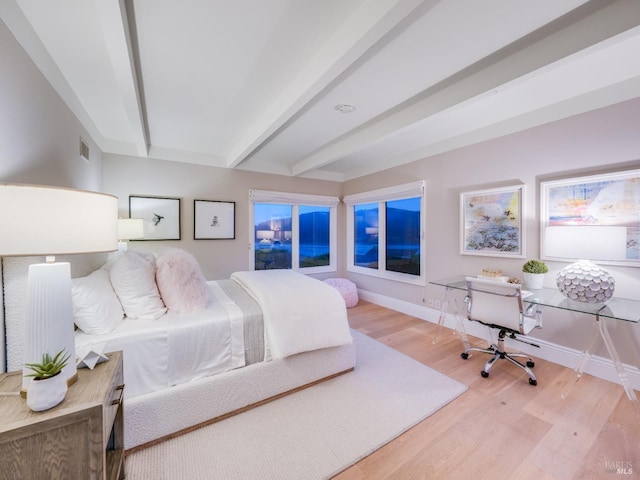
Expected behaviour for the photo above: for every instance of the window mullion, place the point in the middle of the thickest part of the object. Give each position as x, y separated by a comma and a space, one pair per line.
382, 237
252, 246
295, 237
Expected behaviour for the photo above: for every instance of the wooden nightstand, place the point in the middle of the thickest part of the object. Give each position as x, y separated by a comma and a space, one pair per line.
81, 438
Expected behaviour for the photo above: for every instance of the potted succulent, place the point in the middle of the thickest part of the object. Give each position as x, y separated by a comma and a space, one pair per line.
534, 271
48, 387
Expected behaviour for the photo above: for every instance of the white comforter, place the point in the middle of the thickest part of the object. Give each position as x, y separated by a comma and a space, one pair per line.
300, 313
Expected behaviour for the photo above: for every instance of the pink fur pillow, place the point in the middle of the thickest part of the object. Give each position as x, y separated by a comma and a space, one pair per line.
182, 286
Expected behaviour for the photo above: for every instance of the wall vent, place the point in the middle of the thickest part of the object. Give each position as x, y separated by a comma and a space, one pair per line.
84, 150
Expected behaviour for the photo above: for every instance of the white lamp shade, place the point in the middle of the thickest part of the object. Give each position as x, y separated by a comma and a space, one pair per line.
265, 234
590, 242
42, 220
130, 228
584, 281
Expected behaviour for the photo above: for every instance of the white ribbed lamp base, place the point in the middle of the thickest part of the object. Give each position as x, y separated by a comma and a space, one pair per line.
49, 318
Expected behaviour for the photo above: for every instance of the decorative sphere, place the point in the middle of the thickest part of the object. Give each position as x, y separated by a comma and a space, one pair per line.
584, 281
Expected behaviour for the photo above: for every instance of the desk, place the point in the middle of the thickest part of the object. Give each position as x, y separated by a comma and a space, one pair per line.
619, 309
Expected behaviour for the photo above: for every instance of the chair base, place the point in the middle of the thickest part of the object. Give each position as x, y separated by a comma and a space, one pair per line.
498, 351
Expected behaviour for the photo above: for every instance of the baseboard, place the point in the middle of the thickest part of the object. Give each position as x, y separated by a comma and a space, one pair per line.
568, 357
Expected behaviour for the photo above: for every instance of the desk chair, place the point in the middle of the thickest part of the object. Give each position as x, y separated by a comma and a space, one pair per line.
499, 305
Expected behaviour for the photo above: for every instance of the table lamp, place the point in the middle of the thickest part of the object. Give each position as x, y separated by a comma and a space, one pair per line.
584, 281
129, 229
265, 236
43, 220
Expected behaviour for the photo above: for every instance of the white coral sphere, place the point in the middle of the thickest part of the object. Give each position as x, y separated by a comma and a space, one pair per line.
585, 282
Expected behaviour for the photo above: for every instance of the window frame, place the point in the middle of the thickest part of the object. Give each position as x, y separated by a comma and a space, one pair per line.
381, 197
296, 200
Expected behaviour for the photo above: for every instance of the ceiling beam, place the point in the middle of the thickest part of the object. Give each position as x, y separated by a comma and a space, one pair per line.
360, 32
114, 22
580, 29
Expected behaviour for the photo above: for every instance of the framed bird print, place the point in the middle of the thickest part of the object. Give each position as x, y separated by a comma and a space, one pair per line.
491, 222
214, 220
161, 216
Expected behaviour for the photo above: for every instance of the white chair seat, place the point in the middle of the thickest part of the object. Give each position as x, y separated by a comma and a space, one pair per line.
499, 305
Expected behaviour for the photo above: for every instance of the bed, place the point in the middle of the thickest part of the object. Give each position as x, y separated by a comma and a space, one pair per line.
258, 336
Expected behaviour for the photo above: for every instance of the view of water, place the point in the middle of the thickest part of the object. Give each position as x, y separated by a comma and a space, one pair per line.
305, 250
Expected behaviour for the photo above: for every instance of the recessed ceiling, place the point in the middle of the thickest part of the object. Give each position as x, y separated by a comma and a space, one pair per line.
254, 84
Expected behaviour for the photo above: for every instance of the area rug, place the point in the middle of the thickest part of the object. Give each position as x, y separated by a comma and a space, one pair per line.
312, 434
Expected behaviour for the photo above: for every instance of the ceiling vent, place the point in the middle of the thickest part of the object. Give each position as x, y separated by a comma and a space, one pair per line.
84, 150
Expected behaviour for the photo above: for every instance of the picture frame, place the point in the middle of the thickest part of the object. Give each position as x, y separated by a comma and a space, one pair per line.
161, 216
214, 220
609, 199
491, 222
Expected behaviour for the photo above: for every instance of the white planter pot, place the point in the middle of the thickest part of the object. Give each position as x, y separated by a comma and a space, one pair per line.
47, 393
533, 280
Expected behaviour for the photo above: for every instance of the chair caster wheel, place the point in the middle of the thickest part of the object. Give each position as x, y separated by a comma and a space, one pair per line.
484, 374
464, 355
533, 382
530, 364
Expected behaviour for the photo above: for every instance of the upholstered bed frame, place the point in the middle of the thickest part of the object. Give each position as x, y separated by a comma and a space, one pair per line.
181, 408
154, 416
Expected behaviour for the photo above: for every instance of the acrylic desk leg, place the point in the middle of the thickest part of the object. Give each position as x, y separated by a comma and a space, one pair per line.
584, 361
462, 331
460, 325
443, 313
613, 353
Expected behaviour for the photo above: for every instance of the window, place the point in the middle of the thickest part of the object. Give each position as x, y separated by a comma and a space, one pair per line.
385, 233
403, 235
315, 236
293, 231
365, 246
272, 236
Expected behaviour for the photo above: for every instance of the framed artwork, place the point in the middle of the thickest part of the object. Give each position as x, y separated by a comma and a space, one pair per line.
491, 222
611, 199
161, 216
214, 220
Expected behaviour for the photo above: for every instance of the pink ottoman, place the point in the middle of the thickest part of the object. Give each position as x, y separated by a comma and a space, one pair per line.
346, 288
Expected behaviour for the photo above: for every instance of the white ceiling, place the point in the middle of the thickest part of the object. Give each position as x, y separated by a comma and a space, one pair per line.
252, 84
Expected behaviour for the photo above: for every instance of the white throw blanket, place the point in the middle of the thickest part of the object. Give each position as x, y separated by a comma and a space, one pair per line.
300, 313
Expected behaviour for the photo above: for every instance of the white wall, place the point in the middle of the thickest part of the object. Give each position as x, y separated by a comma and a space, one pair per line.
595, 142
124, 176
39, 144
39, 135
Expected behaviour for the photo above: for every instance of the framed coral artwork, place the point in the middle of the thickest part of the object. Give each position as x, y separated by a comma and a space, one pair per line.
491, 222
605, 200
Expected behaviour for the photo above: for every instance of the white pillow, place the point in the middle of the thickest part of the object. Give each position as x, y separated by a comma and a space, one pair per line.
96, 308
133, 277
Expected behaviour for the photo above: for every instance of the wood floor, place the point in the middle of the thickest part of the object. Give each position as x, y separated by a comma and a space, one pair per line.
502, 427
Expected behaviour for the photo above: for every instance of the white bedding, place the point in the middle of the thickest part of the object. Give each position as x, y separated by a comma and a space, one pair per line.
300, 313
176, 348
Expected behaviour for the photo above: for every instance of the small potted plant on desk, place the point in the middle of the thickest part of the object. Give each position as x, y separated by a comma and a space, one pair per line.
48, 387
534, 271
